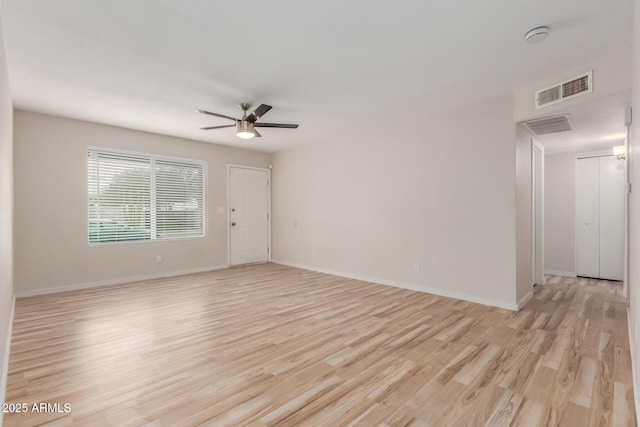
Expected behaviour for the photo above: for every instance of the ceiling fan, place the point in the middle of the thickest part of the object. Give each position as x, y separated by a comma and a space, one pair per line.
246, 126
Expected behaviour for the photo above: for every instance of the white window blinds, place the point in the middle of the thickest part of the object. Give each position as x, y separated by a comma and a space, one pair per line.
144, 197
179, 202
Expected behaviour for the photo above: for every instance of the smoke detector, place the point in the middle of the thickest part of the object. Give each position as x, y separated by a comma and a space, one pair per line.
536, 35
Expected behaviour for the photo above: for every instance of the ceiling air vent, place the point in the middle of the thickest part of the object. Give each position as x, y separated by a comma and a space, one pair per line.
564, 90
552, 124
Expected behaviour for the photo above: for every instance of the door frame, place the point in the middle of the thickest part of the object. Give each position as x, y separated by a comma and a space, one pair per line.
228, 227
537, 207
626, 271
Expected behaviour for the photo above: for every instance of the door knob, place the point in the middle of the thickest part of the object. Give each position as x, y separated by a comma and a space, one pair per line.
233, 224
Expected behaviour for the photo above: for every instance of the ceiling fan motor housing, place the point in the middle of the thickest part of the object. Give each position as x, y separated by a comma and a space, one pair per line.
244, 126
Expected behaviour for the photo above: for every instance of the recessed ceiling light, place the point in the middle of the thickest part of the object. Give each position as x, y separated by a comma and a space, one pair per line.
537, 35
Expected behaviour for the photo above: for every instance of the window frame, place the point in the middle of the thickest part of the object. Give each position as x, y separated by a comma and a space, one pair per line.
152, 191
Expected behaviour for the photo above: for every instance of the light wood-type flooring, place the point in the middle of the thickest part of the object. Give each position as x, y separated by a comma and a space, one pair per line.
274, 345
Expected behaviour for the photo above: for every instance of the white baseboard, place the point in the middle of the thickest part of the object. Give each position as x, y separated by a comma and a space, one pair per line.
5, 358
634, 368
525, 300
120, 281
425, 289
560, 273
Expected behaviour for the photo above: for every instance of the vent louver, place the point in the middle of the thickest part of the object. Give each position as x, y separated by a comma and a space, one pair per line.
549, 95
552, 124
564, 90
575, 87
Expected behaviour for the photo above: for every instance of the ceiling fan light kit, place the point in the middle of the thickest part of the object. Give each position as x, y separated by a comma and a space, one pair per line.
246, 126
245, 130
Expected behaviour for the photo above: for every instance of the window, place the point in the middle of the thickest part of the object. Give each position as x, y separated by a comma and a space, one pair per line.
136, 197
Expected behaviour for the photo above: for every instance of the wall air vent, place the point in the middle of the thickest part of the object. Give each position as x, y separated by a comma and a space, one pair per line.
552, 124
565, 90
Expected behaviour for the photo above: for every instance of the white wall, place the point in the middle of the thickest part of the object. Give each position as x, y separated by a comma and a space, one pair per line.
6, 214
51, 205
440, 192
634, 214
524, 216
559, 214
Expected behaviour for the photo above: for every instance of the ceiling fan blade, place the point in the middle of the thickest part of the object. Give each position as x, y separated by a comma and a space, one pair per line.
259, 112
218, 127
275, 125
214, 114
256, 133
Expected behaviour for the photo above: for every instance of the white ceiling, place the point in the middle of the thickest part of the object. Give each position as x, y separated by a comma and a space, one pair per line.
331, 66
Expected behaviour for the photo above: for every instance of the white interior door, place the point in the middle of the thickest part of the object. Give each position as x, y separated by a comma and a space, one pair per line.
611, 218
588, 217
248, 215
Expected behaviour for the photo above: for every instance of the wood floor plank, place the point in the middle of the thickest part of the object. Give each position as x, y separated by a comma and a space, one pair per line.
274, 345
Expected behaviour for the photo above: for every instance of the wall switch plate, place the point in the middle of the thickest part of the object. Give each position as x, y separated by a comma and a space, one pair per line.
313, 252
158, 258
416, 266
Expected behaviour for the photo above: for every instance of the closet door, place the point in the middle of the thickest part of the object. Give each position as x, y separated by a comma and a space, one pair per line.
588, 217
611, 218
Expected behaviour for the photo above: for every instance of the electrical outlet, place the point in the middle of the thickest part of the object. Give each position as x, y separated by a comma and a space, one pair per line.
416, 266
158, 258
